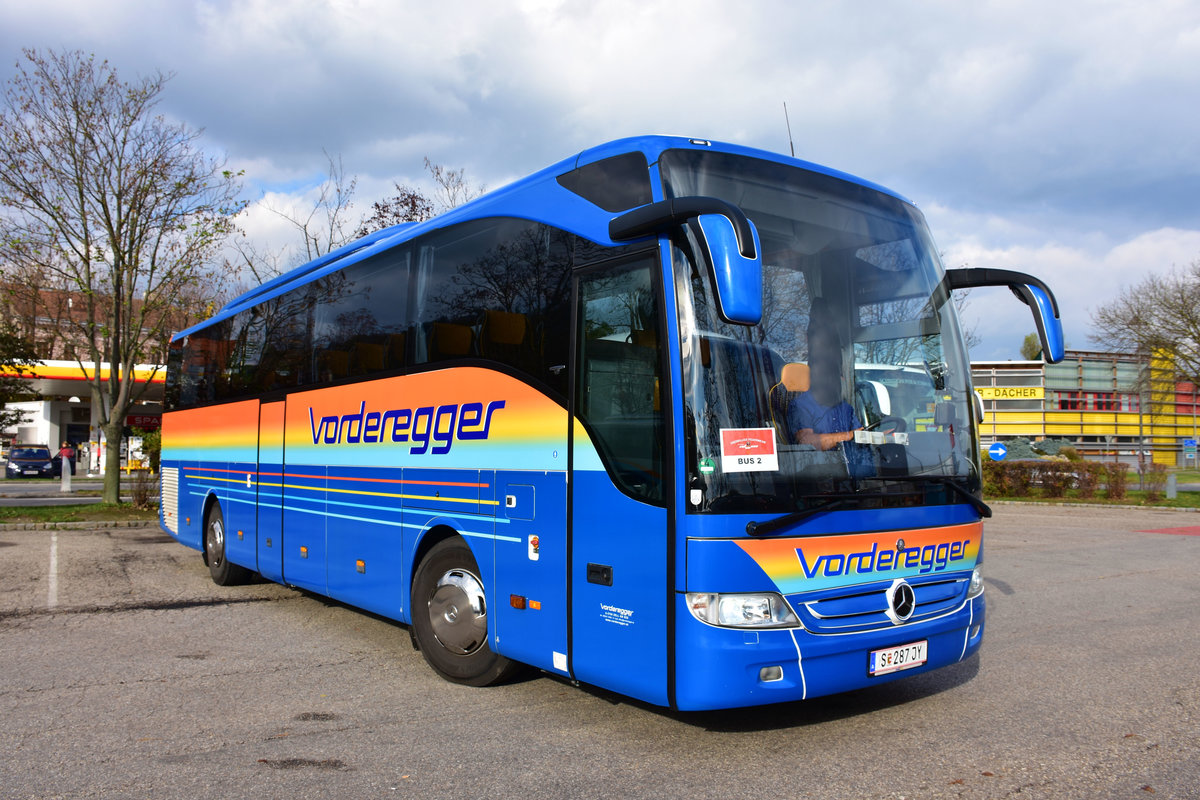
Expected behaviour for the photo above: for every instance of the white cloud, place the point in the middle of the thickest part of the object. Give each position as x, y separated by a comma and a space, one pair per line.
1054, 137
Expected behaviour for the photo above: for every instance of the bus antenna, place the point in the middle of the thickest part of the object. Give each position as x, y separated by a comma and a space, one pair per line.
789, 127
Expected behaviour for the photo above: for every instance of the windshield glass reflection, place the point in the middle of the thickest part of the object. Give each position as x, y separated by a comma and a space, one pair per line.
854, 384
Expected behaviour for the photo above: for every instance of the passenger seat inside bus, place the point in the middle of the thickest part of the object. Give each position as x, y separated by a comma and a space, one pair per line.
502, 336
333, 364
367, 357
449, 340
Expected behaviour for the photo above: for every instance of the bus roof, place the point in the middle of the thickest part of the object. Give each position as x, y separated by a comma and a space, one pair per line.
538, 197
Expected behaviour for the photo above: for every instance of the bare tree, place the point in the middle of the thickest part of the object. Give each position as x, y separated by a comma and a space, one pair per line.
327, 225
408, 205
113, 205
324, 227
1159, 318
453, 187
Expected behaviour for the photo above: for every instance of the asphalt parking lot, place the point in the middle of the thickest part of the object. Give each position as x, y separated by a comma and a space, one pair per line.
124, 672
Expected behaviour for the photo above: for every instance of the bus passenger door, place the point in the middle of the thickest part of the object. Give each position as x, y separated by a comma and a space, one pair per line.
270, 490
619, 534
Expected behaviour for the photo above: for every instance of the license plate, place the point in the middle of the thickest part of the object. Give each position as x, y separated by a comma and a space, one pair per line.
31, 472
894, 659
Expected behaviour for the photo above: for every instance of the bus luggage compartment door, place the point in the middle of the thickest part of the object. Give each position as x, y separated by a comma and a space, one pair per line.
531, 568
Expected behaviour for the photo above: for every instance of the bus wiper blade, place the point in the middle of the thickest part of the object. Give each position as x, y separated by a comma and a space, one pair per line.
772, 525
983, 508
951, 483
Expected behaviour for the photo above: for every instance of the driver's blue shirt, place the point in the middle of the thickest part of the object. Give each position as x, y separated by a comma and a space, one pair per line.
806, 412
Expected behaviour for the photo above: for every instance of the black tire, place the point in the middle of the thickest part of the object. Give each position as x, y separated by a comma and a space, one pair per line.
223, 572
450, 618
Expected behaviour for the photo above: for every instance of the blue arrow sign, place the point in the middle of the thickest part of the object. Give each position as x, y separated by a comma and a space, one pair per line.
997, 452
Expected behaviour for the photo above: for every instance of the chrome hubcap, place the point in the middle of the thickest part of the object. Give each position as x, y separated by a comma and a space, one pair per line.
216, 541
457, 612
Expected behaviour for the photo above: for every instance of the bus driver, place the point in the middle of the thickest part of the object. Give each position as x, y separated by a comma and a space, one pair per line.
821, 416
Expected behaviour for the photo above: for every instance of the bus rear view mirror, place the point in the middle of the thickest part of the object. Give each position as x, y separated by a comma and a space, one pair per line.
728, 238
737, 277
1030, 291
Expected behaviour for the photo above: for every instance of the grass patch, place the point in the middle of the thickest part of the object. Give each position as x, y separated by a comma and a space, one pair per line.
101, 512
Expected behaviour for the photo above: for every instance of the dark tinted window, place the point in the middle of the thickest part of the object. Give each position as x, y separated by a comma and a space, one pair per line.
196, 369
614, 184
349, 323
497, 290
493, 290
361, 322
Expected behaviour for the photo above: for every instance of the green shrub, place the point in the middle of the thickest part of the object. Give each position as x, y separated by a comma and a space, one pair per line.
1055, 477
993, 478
1115, 480
1090, 477
1070, 454
1019, 478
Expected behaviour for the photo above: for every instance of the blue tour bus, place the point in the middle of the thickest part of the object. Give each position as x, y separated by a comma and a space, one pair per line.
687, 421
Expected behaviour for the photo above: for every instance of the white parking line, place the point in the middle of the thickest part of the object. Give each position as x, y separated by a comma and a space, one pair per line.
52, 580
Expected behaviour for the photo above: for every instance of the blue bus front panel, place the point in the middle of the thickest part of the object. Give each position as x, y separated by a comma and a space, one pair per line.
850, 594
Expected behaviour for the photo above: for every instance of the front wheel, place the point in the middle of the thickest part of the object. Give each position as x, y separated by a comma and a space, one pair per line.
450, 618
223, 571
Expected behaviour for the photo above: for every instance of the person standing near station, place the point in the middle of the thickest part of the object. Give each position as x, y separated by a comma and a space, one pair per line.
66, 455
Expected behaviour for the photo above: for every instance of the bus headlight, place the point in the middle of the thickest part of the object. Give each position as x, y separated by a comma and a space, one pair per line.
976, 587
760, 610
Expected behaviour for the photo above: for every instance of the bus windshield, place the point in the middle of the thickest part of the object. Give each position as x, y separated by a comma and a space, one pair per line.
854, 387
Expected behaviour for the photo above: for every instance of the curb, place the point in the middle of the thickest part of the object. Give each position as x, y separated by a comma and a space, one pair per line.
46, 496
1089, 505
77, 526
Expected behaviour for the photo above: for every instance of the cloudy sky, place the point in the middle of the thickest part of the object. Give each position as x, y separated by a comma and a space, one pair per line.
1060, 138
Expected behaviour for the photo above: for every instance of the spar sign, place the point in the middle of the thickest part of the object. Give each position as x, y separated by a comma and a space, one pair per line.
748, 450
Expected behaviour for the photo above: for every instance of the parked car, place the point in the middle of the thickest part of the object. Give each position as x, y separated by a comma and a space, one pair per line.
30, 461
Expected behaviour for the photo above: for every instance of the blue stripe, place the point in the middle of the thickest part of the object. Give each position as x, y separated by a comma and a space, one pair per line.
389, 523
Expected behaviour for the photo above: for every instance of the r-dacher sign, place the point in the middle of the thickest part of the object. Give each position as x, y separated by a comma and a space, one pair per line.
1011, 392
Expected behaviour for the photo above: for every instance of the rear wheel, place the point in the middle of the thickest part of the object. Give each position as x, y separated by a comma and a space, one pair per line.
450, 618
224, 573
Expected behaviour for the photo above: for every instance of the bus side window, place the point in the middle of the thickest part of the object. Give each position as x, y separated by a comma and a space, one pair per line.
361, 318
496, 290
446, 291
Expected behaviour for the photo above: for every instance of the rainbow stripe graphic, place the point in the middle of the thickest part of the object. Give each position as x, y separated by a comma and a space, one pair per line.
461, 418
220, 433
805, 564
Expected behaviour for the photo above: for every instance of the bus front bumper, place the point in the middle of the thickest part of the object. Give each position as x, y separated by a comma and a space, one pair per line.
730, 667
